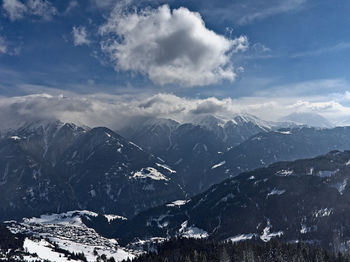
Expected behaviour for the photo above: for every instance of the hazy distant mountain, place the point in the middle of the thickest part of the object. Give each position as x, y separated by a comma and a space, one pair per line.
56, 166
285, 144
309, 119
307, 200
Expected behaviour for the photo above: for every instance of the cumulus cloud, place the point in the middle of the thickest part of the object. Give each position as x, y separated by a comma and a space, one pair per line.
40, 8
80, 36
169, 46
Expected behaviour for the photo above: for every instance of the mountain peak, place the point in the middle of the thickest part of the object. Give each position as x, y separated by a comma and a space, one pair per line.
209, 121
309, 119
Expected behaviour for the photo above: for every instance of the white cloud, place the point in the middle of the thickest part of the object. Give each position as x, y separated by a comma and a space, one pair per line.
3, 45
306, 88
250, 11
277, 8
115, 111
103, 3
9, 48
40, 8
169, 47
14, 8
71, 5
261, 48
80, 36
324, 50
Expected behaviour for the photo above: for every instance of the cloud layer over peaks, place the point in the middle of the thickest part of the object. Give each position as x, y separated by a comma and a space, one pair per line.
169, 46
117, 111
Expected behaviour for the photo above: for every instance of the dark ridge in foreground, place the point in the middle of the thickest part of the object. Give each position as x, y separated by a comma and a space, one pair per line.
306, 200
194, 250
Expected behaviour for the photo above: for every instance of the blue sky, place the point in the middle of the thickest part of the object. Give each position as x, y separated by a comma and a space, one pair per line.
254, 53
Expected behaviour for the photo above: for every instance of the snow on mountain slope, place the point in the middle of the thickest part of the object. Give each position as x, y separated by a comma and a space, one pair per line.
59, 167
43, 249
287, 200
149, 172
68, 232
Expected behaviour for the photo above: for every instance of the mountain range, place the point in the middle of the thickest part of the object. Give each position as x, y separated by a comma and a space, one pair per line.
210, 149
305, 200
55, 167
50, 166
238, 179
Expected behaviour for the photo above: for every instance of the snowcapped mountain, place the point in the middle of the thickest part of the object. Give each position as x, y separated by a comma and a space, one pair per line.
185, 147
209, 149
156, 134
233, 131
305, 200
192, 148
308, 119
49, 168
55, 167
46, 140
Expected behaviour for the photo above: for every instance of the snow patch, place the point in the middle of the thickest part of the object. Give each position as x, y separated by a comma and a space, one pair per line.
218, 165
166, 167
241, 237
114, 217
305, 229
341, 186
266, 235
284, 172
72, 218
323, 212
92, 192
177, 203
131, 143
192, 231
285, 132
149, 172
276, 191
